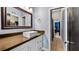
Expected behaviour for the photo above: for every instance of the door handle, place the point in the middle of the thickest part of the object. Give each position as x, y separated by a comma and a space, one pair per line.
72, 42
67, 42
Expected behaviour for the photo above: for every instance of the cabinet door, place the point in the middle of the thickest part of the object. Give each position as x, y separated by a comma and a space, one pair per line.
36, 44
32, 45
23, 47
39, 43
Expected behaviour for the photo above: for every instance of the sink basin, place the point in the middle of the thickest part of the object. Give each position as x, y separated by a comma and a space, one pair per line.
29, 34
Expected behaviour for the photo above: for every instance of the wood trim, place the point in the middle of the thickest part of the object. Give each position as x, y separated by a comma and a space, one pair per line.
51, 30
3, 19
22, 10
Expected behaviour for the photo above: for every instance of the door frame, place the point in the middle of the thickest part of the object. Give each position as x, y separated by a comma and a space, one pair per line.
51, 24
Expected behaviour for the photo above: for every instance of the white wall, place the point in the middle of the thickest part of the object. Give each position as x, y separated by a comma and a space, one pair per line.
9, 30
41, 20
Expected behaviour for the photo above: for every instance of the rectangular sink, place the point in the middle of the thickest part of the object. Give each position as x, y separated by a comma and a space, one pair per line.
30, 34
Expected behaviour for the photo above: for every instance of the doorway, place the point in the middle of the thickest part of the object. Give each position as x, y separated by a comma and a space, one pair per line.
57, 24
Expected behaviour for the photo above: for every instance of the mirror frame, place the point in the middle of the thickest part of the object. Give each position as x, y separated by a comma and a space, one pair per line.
3, 19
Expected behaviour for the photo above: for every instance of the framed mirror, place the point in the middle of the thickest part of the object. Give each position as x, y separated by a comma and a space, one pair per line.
15, 17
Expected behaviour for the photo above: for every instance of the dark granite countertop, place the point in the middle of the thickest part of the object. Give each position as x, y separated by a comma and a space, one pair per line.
24, 40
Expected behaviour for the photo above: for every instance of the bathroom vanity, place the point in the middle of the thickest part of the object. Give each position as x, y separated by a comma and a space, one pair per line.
22, 43
33, 43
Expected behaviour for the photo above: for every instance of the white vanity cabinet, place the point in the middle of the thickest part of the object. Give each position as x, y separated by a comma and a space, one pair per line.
32, 45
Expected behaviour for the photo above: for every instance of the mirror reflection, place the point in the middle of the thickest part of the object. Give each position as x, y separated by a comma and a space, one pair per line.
12, 20
17, 17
